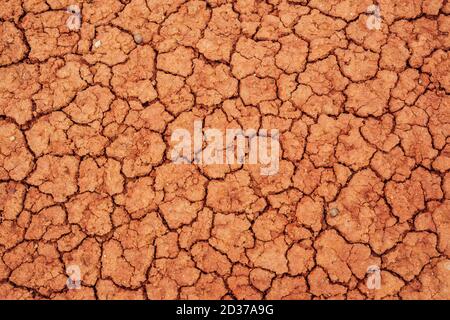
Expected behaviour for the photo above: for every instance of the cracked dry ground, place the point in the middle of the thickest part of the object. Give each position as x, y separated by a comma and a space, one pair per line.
85, 175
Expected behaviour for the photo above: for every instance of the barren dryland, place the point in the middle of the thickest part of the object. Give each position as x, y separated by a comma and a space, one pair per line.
92, 207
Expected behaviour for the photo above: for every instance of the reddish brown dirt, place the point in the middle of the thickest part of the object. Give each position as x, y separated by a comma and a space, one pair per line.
85, 124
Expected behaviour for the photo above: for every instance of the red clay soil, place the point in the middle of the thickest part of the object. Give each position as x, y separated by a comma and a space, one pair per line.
86, 118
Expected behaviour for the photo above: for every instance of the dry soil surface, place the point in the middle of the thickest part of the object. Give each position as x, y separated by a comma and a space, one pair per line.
86, 118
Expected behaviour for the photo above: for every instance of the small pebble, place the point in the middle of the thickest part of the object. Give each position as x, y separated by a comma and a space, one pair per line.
138, 38
97, 44
12, 138
334, 212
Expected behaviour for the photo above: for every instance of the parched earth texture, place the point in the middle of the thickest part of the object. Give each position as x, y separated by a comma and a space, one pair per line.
86, 118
